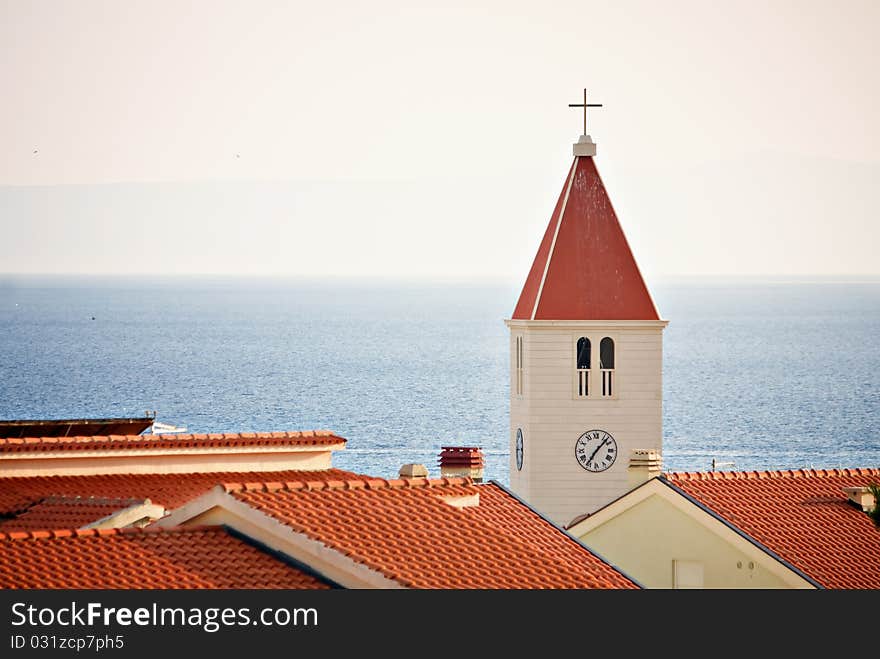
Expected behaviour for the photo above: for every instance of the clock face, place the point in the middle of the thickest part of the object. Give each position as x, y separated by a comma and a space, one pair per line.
595, 450
519, 449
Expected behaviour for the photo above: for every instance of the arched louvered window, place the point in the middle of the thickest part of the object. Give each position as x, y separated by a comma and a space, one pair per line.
606, 366
583, 352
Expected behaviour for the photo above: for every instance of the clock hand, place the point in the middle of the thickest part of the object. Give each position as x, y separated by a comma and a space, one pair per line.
604, 441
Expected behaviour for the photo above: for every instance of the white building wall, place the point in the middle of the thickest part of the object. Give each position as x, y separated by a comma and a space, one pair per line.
552, 417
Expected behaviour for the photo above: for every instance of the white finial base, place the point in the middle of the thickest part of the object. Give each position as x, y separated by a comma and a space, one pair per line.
585, 146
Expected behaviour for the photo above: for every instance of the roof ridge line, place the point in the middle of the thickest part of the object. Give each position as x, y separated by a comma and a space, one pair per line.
555, 236
282, 434
42, 534
200, 442
66, 498
120, 475
348, 484
771, 473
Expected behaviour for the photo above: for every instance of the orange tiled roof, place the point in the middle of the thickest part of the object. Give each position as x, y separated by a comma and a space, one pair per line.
170, 441
64, 512
584, 268
803, 516
198, 557
405, 530
18, 493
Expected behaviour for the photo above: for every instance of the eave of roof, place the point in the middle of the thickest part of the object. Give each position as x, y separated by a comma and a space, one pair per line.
69, 512
294, 440
196, 557
18, 493
66, 427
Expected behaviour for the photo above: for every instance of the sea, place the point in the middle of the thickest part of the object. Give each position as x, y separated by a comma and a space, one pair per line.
758, 374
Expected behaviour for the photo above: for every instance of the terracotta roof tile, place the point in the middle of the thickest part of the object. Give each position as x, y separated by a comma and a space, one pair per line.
584, 268
403, 529
58, 512
18, 493
802, 515
170, 441
198, 557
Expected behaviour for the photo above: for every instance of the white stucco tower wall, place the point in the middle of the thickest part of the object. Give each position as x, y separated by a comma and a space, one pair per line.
552, 416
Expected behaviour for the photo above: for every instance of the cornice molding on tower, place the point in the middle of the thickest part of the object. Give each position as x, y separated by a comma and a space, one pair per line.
515, 323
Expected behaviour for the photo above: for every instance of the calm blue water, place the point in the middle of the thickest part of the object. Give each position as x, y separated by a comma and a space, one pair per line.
767, 375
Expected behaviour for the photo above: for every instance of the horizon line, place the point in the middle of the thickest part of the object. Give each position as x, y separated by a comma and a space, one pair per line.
427, 278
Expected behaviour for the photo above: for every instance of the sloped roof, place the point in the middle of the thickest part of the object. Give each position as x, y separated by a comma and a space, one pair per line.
65, 512
170, 441
65, 427
584, 268
18, 493
444, 533
801, 515
197, 557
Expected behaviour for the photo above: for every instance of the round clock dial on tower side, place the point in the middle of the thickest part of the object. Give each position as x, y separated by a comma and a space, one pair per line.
519, 448
595, 450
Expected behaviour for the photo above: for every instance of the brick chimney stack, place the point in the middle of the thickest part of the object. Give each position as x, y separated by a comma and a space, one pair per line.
462, 461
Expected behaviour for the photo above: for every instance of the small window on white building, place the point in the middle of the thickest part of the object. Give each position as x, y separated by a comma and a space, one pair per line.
518, 374
582, 359
606, 366
687, 574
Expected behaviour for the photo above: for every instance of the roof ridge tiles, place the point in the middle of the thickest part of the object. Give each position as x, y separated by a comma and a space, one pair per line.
78, 499
282, 434
351, 484
167, 440
86, 533
770, 474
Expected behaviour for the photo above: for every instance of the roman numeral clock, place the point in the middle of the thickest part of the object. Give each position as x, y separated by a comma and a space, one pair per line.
595, 450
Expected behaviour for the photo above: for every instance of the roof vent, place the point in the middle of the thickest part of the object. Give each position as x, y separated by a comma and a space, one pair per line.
413, 471
462, 461
863, 497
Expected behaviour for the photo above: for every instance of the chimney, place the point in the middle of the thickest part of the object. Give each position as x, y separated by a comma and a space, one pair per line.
469, 501
413, 471
462, 461
644, 464
862, 497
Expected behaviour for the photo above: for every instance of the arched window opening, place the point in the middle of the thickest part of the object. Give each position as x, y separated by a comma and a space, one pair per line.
583, 352
606, 366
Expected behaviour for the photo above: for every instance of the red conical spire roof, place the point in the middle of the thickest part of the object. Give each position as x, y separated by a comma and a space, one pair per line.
584, 269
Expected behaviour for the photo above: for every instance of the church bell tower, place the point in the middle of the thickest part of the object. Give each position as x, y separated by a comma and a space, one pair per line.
586, 355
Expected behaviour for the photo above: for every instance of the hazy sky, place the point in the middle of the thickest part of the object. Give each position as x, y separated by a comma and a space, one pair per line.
409, 139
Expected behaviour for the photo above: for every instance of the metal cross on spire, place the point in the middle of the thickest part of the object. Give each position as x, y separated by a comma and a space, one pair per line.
585, 105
